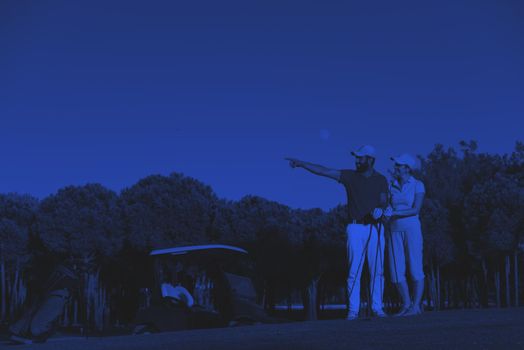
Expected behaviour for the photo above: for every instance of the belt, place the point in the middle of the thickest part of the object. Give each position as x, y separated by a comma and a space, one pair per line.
360, 222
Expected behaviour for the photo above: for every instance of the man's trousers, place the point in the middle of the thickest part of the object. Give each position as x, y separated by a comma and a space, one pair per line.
365, 242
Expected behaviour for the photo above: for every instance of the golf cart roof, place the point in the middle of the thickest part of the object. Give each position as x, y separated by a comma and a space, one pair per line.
193, 248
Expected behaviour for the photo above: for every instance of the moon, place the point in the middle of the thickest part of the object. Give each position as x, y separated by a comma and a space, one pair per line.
325, 134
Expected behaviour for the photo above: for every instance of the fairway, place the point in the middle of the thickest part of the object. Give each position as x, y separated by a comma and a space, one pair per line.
462, 329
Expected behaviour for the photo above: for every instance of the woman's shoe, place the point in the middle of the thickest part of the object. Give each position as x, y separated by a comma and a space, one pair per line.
412, 311
402, 311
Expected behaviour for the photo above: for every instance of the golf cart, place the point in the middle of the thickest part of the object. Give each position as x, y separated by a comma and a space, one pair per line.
200, 286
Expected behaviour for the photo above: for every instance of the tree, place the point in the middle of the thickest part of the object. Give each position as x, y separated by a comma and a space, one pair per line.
162, 211
450, 179
440, 172
515, 167
439, 249
81, 221
493, 217
17, 215
268, 230
321, 252
81, 226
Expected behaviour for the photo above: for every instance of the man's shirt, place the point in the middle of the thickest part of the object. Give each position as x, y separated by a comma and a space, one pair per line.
363, 193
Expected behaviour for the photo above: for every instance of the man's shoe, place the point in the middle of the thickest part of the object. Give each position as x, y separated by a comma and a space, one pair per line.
379, 313
351, 317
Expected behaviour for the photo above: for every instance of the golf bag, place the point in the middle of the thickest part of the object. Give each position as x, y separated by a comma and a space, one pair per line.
39, 321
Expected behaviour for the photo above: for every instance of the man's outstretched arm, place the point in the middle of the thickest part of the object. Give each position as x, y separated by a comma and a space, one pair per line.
315, 169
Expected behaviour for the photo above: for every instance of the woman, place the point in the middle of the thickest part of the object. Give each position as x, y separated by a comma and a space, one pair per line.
405, 239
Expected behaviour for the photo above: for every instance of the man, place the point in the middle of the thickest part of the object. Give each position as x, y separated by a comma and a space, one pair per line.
366, 191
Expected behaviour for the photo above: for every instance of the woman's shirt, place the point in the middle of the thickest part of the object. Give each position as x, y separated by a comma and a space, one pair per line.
403, 197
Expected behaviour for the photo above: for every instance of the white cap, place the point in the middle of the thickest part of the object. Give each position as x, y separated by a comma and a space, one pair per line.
405, 159
364, 151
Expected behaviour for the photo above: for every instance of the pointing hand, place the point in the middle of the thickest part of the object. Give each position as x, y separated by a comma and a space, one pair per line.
293, 162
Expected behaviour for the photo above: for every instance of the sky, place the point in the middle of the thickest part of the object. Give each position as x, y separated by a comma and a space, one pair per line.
112, 91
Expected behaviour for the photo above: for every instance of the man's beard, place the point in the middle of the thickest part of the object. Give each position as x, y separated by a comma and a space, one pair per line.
363, 167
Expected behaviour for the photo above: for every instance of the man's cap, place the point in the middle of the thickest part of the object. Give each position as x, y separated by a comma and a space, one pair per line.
405, 159
364, 151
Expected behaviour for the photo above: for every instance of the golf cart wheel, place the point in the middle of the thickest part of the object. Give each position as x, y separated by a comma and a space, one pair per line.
145, 328
242, 321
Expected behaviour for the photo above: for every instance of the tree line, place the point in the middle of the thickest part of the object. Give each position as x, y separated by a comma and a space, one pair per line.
472, 219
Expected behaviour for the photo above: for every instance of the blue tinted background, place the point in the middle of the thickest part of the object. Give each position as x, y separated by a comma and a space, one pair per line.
110, 92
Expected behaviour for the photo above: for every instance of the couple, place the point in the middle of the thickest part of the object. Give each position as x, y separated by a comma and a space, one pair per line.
372, 203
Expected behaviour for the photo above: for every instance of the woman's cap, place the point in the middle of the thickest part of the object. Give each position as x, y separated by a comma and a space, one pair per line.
405, 159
